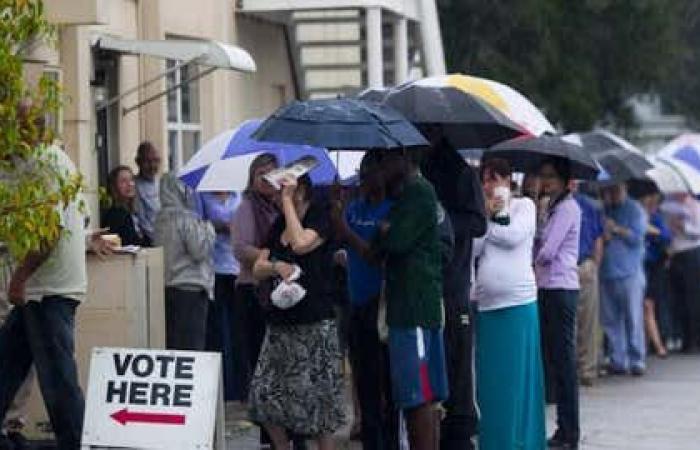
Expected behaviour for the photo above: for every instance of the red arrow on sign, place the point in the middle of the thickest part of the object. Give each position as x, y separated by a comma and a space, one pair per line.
125, 416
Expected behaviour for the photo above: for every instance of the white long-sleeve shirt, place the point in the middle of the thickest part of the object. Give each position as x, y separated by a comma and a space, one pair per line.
689, 211
504, 276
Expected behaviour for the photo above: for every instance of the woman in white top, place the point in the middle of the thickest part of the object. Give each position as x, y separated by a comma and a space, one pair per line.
508, 361
683, 214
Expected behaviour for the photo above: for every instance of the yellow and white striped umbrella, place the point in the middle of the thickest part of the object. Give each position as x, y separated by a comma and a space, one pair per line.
507, 100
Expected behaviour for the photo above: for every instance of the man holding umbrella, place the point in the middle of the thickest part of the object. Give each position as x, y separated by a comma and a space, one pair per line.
460, 192
452, 118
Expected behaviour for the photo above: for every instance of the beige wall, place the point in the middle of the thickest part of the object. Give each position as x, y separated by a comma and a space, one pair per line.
259, 94
226, 97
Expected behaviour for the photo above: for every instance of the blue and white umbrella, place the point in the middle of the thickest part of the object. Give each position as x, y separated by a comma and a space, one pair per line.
222, 163
686, 148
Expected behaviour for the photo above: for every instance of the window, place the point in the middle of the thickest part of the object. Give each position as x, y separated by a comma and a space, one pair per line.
184, 125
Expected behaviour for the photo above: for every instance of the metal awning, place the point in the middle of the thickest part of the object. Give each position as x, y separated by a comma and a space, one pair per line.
213, 54
206, 53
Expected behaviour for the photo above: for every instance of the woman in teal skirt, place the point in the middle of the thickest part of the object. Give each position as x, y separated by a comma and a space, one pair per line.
508, 360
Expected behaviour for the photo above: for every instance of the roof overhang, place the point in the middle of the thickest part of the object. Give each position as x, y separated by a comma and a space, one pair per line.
405, 8
213, 54
204, 52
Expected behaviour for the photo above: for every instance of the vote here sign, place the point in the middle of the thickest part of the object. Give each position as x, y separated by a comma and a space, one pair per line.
151, 399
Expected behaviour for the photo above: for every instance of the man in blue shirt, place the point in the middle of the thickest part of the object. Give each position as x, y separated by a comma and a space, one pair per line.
357, 226
623, 281
588, 315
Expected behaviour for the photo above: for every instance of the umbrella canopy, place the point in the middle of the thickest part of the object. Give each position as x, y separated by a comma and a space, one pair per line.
686, 148
376, 95
467, 121
498, 95
340, 124
674, 176
620, 160
222, 163
526, 154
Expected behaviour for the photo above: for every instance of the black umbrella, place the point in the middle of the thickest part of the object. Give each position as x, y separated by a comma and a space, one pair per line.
466, 120
526, 154
340, 124
620, 159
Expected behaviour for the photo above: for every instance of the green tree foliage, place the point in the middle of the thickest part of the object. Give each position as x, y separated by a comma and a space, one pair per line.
31, 185
579, 60
681, 90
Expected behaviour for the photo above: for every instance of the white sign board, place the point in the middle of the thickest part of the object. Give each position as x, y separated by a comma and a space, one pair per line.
151, 399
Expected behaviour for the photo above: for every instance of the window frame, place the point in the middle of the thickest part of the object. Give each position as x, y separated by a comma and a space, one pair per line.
180, 127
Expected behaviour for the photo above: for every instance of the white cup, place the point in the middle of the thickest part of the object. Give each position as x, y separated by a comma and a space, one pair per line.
503, 193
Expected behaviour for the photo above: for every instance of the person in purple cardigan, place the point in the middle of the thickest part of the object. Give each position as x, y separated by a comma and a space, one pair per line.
556, 271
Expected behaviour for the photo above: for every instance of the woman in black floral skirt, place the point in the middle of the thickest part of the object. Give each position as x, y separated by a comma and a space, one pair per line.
298, 384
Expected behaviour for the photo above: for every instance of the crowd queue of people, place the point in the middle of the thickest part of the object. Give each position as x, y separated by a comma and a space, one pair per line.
464, 301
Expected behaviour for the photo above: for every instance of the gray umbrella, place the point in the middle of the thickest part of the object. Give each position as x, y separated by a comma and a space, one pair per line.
620, 159
526, 154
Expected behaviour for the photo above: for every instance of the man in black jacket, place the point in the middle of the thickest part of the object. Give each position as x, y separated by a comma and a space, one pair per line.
460, 193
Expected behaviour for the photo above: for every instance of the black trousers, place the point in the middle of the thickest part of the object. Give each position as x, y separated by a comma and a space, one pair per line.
248, 335
461, 419
370, 368
558, 329
220, 331
186, 319
685, 272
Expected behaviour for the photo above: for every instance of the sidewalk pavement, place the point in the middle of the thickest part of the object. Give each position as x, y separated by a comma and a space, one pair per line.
660, 411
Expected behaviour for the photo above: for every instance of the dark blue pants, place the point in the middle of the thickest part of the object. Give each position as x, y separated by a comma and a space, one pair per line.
558, 324
370, 368
219, 331
42, 333
685, 270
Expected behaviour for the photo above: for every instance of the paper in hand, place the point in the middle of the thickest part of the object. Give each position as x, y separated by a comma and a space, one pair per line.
296, 169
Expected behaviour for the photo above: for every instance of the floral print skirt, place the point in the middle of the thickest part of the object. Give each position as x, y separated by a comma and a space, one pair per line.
298, 382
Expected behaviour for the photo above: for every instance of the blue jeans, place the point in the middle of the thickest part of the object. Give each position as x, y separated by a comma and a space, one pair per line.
622, 318
42, 333
558, 324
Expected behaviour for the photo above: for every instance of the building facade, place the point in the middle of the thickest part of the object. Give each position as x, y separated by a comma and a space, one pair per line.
302, 49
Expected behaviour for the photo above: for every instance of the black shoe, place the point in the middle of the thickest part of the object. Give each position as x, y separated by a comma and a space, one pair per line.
6, 443
616, 371
586, 381
638, 371
559, 442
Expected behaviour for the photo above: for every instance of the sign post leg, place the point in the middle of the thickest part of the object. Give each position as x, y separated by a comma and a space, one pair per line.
220, 427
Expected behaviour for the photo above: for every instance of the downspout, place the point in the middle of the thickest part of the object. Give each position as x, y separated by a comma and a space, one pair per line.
293, 56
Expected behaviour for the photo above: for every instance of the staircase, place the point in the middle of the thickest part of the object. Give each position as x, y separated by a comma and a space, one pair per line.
330, 51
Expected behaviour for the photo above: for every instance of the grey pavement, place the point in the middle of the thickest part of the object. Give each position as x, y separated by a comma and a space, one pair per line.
660, 411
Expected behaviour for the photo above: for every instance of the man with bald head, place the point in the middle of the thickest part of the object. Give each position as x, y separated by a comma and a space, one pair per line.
148, 160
